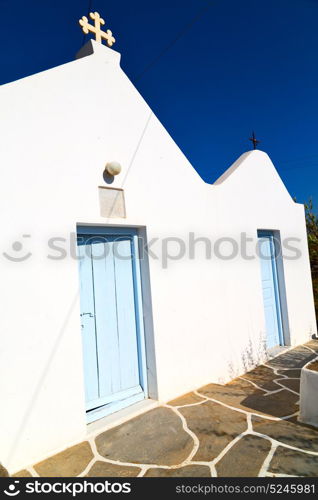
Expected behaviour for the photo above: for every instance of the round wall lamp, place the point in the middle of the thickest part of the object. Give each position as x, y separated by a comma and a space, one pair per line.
113, 168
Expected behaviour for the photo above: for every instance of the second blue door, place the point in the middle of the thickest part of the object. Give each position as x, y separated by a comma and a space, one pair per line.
111, 319
270, 287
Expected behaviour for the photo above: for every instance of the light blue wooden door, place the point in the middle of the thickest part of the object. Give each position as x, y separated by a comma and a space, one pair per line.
111, 320
272, 309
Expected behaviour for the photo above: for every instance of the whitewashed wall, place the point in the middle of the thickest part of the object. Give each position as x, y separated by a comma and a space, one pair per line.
59, 129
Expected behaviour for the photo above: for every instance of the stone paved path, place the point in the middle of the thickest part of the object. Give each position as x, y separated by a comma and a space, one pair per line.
247, 427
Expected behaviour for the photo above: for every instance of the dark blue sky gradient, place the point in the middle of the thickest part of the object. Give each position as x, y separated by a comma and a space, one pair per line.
212, 71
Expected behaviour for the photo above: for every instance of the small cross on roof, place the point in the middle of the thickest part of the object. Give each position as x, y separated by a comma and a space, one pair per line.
99, 34
254, 140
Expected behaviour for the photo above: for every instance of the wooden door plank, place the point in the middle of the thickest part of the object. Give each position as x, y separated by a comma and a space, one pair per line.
88, 324
106, 319
126, 314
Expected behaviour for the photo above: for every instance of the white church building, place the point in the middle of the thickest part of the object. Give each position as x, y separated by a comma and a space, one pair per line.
119, 292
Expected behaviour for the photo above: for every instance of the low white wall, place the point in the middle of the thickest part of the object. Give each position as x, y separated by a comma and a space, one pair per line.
60, 127
308, 406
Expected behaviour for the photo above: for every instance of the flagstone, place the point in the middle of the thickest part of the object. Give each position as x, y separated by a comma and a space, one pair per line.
3, 471
279, 404
289, 432
289, 373
295, 358
106, 469
263, 377
159, 438
313, 344
156, 437
293, 384
293, 463
240, 394
215, 426
253, 447
186, 471
68, 463
22, 473
187, 399
232, 393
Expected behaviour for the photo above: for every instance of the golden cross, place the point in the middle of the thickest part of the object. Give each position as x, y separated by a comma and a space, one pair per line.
99, 34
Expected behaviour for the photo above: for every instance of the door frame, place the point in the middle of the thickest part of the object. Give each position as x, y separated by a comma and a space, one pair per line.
132, 234
277, 280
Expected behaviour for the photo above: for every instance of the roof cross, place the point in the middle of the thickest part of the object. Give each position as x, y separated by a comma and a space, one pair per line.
99, 34
254, 140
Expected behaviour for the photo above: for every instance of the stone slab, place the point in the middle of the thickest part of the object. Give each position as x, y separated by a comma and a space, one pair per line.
240, 394
292, 384
313, 344
187, 399
215, 426
187, 471
156, 437
249, 450
106, 469
295, 358
232, 393
289, 373
112, 202
289, 432
293, 463
3, 471
68, 463
263, 377
22, 473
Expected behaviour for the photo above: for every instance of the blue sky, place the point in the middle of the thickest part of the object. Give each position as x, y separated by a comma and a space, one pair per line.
212, 71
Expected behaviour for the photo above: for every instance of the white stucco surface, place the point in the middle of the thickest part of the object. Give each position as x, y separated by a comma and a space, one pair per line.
204, 318
308, 407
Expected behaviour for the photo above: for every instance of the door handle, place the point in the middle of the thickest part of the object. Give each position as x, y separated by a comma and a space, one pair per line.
88, 314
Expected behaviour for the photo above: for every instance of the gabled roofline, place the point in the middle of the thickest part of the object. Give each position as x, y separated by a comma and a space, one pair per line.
236, 165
